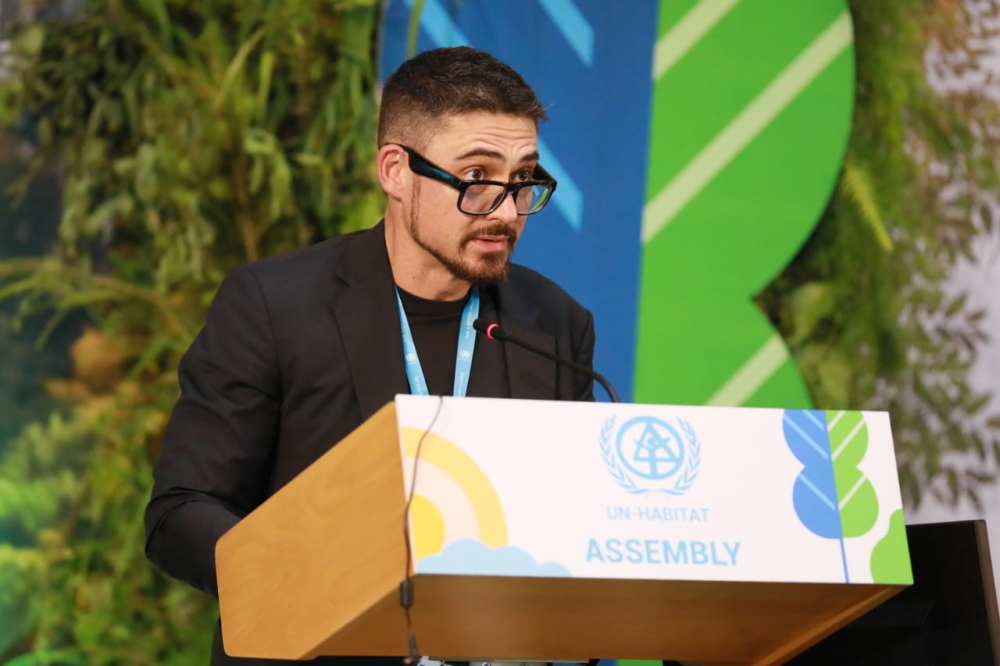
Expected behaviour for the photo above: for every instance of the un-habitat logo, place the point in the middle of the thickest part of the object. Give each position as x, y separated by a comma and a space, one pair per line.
647, 454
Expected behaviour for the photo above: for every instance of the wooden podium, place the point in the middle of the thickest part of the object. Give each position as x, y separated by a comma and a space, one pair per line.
316, 570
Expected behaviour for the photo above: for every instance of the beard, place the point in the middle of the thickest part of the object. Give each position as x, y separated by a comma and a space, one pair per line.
486, 271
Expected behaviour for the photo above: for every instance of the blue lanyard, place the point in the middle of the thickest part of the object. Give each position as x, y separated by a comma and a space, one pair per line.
463, 357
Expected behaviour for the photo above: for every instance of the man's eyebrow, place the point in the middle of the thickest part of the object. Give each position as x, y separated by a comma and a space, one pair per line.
493, 154
480, 152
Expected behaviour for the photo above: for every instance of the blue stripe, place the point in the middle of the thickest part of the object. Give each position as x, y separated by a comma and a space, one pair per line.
819, 493
573, 26
568, 198
812, 417
819, 449
439, 26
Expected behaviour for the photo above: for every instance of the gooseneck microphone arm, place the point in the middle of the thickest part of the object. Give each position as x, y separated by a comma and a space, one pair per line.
494, 332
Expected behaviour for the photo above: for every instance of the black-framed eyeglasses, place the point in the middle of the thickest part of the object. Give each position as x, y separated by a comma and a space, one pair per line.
482, 197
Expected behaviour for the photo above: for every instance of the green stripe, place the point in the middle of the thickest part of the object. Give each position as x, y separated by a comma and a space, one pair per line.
672, 11
699, 96
698, 325
677, 41
745, 127
752, 375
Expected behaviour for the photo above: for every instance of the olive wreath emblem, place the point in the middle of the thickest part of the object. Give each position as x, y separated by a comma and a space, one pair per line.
684, 480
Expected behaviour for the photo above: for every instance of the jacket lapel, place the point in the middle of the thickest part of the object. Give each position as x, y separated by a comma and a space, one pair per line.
369, 321
366, 312
529, 375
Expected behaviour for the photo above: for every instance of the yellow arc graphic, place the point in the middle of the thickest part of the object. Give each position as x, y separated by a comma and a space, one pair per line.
453, 461
429, 538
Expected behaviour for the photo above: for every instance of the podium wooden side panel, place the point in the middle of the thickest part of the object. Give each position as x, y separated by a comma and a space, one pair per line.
320, 551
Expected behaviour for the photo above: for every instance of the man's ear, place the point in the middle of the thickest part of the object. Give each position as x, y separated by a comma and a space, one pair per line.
393, 172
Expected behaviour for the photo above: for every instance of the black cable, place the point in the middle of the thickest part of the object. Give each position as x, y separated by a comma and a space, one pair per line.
493, 331
406, 587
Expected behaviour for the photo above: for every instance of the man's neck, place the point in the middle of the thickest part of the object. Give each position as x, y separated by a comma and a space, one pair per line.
417, 272
424, 286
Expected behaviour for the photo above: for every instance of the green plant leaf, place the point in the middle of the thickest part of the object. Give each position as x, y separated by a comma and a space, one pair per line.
808, 305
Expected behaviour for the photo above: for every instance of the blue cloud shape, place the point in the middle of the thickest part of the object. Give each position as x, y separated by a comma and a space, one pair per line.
470, 557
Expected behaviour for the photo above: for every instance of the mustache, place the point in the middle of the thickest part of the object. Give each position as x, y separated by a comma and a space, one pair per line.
495, 229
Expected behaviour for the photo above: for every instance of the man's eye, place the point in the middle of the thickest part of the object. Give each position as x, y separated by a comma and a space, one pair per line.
523, 175
476, 174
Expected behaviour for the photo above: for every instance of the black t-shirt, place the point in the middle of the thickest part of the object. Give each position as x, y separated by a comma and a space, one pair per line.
435, 326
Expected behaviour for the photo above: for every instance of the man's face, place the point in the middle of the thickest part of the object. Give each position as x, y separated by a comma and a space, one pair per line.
475, 146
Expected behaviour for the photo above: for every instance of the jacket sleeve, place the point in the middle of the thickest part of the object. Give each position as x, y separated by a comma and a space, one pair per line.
212, 469
583, 353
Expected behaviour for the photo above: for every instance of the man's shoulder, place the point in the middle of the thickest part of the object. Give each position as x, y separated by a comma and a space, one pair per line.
306, 276
305, 273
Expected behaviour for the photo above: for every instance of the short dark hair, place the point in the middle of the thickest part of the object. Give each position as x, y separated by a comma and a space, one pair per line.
450, 81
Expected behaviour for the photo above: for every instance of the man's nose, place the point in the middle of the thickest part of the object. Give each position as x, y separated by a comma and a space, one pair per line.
507, 210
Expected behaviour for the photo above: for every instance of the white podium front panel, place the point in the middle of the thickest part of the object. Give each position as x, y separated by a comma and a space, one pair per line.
599, 490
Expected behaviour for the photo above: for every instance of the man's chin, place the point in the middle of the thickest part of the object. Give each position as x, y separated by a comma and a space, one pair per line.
485, 273
492, 277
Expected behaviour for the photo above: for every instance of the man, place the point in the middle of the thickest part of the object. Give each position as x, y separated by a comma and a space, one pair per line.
299, 350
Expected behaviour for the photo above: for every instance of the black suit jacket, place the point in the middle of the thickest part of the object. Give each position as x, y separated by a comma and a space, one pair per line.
297, 351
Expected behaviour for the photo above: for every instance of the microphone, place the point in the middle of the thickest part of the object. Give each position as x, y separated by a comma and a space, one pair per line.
494, 332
